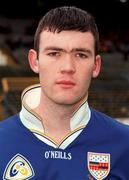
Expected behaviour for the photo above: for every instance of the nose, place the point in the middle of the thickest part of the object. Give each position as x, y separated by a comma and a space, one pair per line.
67, 65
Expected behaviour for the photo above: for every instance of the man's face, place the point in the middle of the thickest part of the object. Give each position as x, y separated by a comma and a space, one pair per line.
66, 63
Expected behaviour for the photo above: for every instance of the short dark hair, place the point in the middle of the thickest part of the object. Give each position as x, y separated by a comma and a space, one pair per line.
67, 18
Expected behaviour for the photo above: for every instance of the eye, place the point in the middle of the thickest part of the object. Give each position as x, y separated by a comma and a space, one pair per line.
81, 55
53, 54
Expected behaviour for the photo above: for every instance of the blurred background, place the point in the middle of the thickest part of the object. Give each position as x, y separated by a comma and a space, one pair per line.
109, 93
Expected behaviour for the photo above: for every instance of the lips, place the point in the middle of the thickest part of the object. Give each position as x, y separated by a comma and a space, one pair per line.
65, 83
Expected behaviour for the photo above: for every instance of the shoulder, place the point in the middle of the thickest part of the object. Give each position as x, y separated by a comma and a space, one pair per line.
11, 130
9, 125
7, 122
109, 124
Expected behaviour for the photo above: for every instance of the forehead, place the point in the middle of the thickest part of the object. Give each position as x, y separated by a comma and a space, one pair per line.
67, 39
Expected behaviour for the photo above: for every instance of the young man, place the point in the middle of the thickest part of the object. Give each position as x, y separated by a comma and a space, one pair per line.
56, 136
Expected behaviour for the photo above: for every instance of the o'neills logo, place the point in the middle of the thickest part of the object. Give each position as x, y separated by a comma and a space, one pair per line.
58, 155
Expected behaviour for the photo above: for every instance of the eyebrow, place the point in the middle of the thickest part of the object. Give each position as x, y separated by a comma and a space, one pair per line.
54, 48
82, 50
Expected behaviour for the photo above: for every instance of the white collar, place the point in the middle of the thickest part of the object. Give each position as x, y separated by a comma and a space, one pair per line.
30, 100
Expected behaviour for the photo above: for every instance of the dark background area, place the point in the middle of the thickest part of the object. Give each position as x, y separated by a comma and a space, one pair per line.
109, 14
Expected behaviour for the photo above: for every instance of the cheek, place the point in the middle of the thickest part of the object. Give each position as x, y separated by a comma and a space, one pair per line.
85, 73
85, 82
47, 68
46, 76
84, 78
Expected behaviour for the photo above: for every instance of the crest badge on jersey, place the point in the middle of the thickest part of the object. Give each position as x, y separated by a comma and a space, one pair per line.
98, 165
18, 168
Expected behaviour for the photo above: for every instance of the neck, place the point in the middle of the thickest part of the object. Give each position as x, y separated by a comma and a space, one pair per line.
56, 118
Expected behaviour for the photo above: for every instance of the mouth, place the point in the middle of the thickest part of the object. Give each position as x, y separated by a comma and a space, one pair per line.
65, 84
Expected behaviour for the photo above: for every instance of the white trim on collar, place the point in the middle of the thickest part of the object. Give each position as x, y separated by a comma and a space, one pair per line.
33, 122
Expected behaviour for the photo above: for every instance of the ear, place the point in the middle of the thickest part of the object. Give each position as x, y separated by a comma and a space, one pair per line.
97, 66
33, 60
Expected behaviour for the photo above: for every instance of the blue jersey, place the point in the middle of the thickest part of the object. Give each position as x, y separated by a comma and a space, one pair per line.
101, 151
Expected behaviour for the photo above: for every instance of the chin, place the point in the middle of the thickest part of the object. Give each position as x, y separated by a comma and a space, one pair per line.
70, 101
